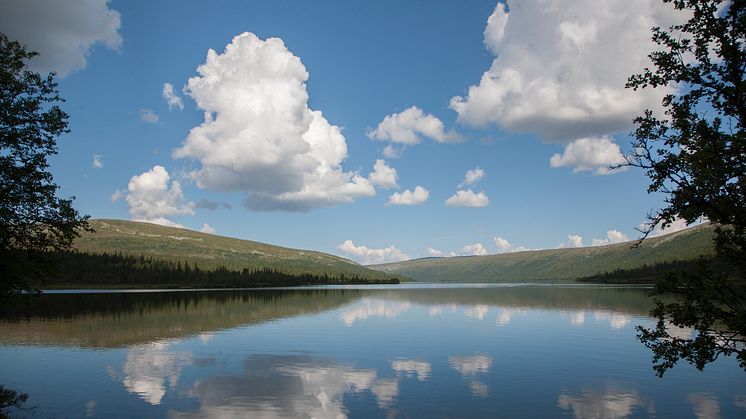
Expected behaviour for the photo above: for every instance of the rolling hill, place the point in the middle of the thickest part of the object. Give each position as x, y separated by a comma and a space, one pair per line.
209, 252
558, 264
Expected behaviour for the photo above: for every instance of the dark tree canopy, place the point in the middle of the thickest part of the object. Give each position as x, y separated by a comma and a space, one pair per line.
32, 218
696, 156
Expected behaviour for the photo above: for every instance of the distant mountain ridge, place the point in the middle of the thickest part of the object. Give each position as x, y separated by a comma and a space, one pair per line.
209, 251
559, 264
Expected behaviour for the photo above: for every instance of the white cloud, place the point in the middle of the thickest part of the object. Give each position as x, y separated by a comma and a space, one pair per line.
467, 198
409, 125
97, 163
368, 256
434, 252
595, 154
63, 33
677, 225
172, 99
472, 176
151, 199
504, 246
407, 197
383, 176
476, 249
560, 69
612, 237
117, 195
573, 240
392, 152
259, 136
148, 116
207, 228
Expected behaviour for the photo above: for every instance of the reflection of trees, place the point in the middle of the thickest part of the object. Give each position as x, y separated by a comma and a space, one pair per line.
106, 320
610, 402
632, 301
287, 386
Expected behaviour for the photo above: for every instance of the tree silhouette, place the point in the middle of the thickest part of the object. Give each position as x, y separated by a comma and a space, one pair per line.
696, 156
32, 218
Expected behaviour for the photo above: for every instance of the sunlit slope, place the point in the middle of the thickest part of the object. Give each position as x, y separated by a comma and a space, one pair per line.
558, 264
210, 251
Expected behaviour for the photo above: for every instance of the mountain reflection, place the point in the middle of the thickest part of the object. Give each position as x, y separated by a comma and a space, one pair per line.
274, 386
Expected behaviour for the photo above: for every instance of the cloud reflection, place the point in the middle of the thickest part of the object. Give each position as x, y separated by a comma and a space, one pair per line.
148, 368
411, 367
287, 386
370, 307
617, 321
706, 406
469, 367
608, 403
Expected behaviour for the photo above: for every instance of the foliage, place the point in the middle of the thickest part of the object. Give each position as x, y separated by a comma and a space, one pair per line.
696, 156
117, 270
32, 217
10, 398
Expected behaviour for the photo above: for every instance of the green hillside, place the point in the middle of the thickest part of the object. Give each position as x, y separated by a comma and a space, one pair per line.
209, 252
558, 264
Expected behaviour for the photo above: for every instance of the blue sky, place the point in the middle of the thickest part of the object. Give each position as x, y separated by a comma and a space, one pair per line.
531, 94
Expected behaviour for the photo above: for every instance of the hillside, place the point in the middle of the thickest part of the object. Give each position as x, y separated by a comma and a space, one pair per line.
558, 264
209, 252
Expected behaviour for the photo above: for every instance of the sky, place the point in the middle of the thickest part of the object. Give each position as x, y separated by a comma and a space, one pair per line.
378, 131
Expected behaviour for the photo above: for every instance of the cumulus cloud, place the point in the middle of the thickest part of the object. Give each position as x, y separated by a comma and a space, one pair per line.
408, 126
612, 237
148, 116
97, 163
407, 197
383, 176
467, 198
207, 228
63, 33
434, 252
573, 240
677, 225
504, 246
151, 198
368, 256
392, 152
476, 249
472, 176
117, 195
259, 136
559, 70
172, 99
596, 154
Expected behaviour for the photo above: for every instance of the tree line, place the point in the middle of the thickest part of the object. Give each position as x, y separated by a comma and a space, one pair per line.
117, 269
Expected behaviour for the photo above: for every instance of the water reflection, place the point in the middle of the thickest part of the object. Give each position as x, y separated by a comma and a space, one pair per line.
611, 402
287, 386
412, 367
706, 406
149, 368
368, 308
359, 352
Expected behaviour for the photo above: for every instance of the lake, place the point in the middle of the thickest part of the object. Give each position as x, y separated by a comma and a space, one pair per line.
409, 351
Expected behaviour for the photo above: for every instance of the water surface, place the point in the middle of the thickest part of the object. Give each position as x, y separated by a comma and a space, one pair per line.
412, 351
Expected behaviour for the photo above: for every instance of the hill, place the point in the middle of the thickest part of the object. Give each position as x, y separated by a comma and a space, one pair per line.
210, 252
559, 264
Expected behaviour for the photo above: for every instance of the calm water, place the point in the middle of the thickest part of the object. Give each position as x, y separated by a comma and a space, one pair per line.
409, 352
